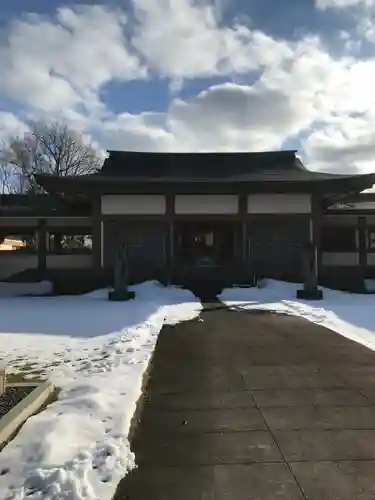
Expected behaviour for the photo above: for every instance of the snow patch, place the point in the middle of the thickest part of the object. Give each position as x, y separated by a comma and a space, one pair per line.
97, 351
351, 315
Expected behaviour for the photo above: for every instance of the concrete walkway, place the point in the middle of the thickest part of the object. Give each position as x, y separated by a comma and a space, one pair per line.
255, 406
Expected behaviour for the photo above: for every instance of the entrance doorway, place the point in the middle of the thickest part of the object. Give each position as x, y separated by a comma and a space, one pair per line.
202, 244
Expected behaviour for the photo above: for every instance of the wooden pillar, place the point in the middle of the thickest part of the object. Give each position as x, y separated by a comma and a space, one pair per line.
245, 244
169, 243
42, 244
316, 222
362, 245
97, 236
311, 257
2, 378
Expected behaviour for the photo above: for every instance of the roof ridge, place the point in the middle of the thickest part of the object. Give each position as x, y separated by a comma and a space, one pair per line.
203, 153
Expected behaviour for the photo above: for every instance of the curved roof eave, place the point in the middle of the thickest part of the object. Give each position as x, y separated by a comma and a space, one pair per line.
319, 183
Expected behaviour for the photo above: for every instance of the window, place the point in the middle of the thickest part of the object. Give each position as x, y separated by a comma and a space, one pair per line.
69, 243
25, 242
339, 239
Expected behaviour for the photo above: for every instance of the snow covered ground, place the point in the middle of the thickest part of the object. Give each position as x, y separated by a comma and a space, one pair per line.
351, 315
97, 352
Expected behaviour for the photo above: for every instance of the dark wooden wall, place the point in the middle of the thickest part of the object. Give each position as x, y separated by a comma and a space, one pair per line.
270, 247
276, 246
146, 245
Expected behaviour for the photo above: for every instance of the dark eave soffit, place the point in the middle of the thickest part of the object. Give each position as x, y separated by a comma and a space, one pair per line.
95, 186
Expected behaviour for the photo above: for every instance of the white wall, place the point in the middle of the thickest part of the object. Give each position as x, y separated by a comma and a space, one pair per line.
279, 204
340, 259
71, 261
15, 261
133, 204
206, 204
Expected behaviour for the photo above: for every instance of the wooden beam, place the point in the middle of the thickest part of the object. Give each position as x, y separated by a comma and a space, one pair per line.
316, 222
362, 245
42, 244
97, 243
245, 243
169, 241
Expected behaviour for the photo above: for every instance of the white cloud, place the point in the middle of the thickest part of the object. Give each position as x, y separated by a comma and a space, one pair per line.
61, 65
184, 39
323, 85
233, 117
225, 117
362, 13
57, 63
344, 145
10, 124
143, 132
366, 28
309, 90
342, 4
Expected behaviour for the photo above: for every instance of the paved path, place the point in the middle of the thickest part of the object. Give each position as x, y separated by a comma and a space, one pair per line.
256, 406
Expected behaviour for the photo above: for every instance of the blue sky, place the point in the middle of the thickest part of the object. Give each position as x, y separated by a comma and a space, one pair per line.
196, 74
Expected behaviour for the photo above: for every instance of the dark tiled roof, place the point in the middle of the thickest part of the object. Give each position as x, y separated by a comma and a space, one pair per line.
198, 165
129, 171
292, 176
302, 181
361, 202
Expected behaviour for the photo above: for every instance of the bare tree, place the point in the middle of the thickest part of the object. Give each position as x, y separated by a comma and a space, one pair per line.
5, 181
50, 148
47, 147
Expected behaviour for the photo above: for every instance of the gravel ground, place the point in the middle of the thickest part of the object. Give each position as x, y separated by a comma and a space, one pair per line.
12, 396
